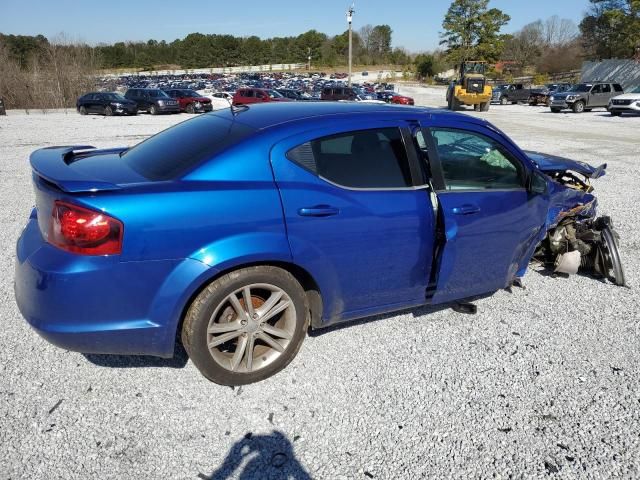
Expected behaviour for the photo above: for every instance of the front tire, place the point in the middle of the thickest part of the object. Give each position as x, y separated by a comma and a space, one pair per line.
484, 107
82, 110
191, 109
578, 107
616, 114
108, 111
246, 326
153, 110
504, 101
556, 110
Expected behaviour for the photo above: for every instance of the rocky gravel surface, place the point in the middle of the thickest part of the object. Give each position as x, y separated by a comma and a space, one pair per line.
541, 382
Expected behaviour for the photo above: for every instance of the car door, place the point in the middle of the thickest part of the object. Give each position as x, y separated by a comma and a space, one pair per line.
491, 222
594, 98
90, 103
357, 218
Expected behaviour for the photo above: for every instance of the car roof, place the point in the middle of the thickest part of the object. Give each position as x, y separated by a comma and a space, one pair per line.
268, 115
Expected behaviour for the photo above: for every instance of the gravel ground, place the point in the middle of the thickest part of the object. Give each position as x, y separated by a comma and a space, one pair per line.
543, 381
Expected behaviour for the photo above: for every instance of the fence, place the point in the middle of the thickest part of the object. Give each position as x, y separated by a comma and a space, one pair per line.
277, 67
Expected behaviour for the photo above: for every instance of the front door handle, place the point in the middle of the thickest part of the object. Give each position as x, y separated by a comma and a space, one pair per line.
466, 209
318, 211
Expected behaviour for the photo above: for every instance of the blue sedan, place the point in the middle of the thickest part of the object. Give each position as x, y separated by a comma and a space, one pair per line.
239, 230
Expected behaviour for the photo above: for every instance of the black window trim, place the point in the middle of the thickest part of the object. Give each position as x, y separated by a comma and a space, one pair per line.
412, 159
437, 171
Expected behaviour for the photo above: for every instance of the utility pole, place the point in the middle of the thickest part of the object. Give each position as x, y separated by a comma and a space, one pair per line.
350, 13
309, 58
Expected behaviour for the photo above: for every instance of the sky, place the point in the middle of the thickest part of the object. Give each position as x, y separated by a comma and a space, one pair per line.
416, 24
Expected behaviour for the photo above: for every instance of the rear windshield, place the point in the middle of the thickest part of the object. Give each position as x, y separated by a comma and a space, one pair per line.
174, 151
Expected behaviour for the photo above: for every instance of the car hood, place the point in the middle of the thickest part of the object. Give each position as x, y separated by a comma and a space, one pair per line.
627, 96
551, 163
566, 94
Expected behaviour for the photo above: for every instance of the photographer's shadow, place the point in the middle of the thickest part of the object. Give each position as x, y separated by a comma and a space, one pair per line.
261, 457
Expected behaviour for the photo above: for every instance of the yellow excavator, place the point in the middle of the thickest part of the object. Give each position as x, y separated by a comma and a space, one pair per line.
471, 88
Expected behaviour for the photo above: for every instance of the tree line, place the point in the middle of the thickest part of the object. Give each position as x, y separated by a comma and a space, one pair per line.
372, 45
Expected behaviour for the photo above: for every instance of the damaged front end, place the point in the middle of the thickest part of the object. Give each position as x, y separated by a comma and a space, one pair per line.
576, 240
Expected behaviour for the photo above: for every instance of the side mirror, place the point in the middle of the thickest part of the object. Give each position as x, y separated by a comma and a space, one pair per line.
538, 183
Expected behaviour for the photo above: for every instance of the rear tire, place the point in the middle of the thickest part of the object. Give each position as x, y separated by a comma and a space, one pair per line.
504, 101
556, 110
225, 339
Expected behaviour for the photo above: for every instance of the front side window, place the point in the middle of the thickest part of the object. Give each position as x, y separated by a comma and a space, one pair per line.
375, 159
472, 161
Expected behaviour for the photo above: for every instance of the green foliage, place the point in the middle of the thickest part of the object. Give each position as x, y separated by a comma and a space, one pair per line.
611, 29
198, 50
540, 79
472, 31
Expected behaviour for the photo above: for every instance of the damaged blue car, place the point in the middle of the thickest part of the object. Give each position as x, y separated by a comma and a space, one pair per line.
237, 231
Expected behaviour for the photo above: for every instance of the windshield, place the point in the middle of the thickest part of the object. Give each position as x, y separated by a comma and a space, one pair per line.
582, 87
158, 94
274, 94
114, 96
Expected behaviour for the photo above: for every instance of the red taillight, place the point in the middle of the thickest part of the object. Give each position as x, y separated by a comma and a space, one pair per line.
87, 232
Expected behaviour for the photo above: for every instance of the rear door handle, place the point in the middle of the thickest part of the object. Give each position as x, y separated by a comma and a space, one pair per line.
318, 211
466, 209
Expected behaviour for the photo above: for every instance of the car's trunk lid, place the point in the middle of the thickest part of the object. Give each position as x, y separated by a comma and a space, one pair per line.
81, 168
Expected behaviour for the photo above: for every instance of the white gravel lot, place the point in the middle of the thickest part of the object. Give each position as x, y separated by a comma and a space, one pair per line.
543, 381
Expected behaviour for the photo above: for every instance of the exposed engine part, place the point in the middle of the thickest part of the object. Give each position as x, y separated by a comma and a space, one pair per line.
586, 245
571, 180
568, 262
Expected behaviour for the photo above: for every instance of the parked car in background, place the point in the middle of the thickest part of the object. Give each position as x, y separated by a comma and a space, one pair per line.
291, 94
190, 101
106, 103
338, 93
585, 96
402, 100
248, 96
221, 100
625, 103
3, 110
153, 100
240, 230
543, 95
385, 95
510, 93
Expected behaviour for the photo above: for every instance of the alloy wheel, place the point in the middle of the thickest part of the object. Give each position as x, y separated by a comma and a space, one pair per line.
251, 328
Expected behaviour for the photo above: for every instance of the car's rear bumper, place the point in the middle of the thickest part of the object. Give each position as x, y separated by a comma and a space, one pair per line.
100, 304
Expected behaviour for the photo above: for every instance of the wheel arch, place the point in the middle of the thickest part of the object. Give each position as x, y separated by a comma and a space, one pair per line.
306, 280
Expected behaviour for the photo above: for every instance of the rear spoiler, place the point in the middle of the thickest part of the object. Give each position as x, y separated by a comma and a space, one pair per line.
52, 164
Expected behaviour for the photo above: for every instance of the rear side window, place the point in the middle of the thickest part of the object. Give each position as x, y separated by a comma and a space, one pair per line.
617, 87
363, 159
174, 151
